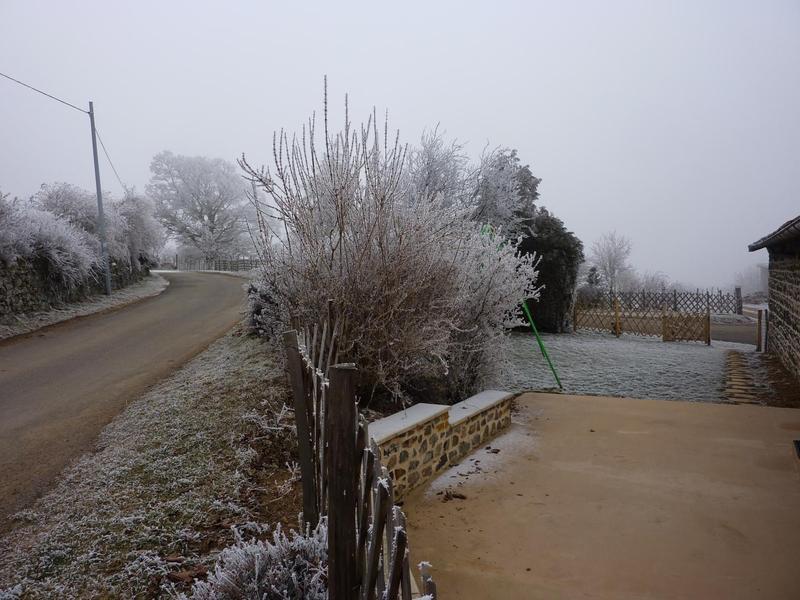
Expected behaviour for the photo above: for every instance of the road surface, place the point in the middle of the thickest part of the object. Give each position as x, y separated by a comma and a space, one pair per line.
61, 385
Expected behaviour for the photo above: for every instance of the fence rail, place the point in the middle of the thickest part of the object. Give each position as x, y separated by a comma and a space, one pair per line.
198, 264
673, 316
680, 302
342, 476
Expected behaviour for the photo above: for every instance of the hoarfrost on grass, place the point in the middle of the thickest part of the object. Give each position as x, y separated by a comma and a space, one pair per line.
172, 475
630, 366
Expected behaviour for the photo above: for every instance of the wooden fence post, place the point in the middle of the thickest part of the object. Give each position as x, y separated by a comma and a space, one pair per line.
617, 324
708, 328
294, 364
342, 483
738, 293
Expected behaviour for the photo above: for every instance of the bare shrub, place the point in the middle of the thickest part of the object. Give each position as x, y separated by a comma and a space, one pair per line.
423, 294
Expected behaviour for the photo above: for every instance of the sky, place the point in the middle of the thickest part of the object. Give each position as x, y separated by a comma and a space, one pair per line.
674, 123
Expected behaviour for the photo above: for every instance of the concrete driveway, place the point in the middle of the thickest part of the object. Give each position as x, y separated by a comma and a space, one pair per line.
615, 498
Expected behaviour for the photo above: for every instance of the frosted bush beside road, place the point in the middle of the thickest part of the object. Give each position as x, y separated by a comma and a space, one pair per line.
33, 234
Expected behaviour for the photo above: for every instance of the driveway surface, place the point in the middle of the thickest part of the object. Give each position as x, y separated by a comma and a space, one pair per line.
61, 385
615, 498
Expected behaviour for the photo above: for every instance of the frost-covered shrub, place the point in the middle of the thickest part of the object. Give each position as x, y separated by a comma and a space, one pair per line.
79, 208
56, 246
290, 567
423, 294
263, 310
561, 254
132, 232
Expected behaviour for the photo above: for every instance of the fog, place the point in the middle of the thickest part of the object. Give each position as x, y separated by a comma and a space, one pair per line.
676, 125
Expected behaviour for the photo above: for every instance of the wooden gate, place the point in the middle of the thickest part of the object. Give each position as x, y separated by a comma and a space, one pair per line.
342, 476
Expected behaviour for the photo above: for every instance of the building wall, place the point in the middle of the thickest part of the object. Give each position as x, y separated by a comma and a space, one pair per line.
784, 305
425, 446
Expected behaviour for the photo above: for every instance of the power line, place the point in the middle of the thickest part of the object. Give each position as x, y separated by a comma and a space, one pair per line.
105, 151
113, 168
44, 93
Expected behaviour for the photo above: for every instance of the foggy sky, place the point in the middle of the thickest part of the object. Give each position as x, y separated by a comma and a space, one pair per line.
678, 125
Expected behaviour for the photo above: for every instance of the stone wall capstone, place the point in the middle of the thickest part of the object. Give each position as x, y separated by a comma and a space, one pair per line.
425, 439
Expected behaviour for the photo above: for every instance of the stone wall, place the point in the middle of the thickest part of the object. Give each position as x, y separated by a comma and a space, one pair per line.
423, 440
784, 305
26, 287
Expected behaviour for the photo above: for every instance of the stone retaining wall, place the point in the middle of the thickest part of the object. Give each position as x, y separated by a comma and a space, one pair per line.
423, 440
784, 305
25, 286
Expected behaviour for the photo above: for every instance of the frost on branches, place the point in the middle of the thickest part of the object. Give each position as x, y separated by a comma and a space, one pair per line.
288, 567
32, 234
426, 294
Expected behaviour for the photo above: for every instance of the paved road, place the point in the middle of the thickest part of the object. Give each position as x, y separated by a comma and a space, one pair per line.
743, 333
59, 387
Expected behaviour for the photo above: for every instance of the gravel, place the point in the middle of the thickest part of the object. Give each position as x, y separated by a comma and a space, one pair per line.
631, 366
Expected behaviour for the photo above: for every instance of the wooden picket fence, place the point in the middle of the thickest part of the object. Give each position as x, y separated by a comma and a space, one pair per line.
671, 316
342, 475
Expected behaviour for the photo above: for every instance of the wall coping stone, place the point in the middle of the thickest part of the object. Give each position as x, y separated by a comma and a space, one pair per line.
476, 404
400, 422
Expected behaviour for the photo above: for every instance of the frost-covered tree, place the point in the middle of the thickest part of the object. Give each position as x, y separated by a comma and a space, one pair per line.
423, 294
505, 192
610, 255
199, 200
440, 171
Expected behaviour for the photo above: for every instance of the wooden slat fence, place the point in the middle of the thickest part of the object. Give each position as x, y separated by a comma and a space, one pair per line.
648, 314
198, 264
342, 476
698, 302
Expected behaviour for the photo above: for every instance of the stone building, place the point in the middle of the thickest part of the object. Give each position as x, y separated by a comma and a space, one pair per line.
783, 246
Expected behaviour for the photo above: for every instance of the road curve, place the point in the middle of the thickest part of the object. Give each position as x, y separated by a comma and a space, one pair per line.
61, 385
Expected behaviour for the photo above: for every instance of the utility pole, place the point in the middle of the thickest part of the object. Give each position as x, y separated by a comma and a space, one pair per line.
101, 222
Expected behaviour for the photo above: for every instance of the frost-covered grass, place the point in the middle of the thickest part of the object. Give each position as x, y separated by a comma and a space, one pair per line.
202, 452
637, 367
25, 323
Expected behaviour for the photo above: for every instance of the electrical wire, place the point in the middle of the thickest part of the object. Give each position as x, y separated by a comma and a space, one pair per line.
110, 162
86, 112
44, 93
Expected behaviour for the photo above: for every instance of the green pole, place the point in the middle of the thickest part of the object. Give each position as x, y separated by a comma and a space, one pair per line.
541, 344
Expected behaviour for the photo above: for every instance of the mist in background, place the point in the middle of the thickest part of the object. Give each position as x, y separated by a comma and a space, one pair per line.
676, 125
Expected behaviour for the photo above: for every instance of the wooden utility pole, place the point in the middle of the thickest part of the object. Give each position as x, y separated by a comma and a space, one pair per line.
101, 222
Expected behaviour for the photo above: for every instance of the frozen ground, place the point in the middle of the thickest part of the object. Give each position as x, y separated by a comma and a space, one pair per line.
20, 324
201, 452
633, 366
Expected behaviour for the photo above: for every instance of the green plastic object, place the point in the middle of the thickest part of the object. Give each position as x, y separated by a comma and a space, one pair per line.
541, 344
